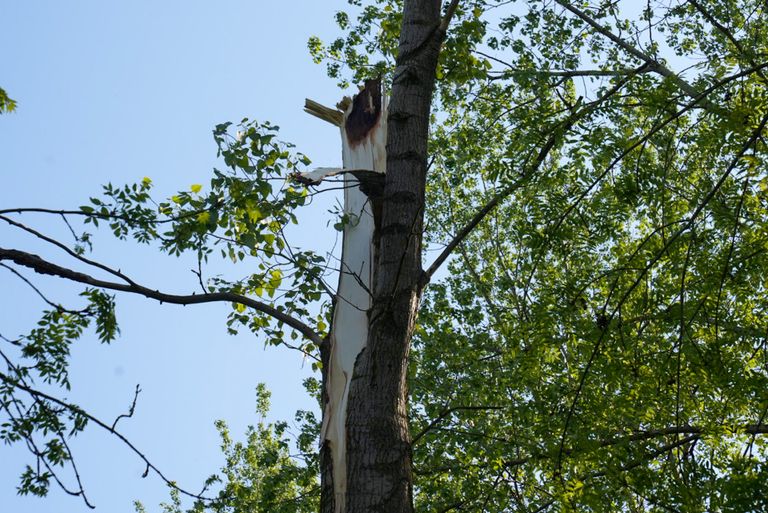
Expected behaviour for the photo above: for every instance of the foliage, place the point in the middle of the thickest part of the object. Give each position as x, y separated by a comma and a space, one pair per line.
599, 340
7, 104
259, 475
42, 422
244, 214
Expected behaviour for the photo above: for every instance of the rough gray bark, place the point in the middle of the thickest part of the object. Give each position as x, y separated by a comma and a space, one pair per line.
379, 448
327, 503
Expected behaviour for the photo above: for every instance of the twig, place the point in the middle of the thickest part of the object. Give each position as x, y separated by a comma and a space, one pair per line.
130, 410
447, 412
39, 293
67, 250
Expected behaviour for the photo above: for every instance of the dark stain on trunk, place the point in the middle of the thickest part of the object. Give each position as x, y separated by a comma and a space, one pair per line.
366, 110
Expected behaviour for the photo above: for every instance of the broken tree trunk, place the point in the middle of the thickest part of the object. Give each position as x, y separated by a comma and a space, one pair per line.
368, 418
379, 461
363, 133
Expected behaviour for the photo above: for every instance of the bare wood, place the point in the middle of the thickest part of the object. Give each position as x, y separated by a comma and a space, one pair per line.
327, 114
362, 120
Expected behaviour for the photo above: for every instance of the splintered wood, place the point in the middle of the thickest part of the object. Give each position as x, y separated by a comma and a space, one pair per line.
363, 136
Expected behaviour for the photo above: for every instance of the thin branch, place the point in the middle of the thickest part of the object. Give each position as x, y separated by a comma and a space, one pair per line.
75, 471
40, 456
649, 61
14, 342
131, 410
79, 411
638, 436
447, 412
650, 456
41, 266
199, 273
568, 73
71, 230
525, 175
719, 26
727, 33
467, 229
67, 250
98, 215
38, 291
571, 73
449, 12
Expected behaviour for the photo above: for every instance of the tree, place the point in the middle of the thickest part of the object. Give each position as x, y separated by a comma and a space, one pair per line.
592, 176
7, 104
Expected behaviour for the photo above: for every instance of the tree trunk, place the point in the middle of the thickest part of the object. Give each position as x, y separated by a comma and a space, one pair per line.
379, 476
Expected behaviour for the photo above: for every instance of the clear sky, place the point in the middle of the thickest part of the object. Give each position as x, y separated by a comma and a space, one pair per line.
112, 92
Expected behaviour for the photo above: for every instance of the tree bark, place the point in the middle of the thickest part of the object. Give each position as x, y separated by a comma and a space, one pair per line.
379, 448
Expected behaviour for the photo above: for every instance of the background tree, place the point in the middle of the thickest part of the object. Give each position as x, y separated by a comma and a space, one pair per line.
594, 180
7, 104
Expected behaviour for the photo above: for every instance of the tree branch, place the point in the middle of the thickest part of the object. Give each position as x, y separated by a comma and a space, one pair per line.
449, 12
131, 410
38, 395
39, 292
639, 436
649, 61
558, 132
467, 229
727, 33
98, 215
41, 266
67, 250
447, 412
567, 73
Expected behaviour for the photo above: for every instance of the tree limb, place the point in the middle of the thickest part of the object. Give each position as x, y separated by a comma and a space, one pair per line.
567, 73
649, 61
447, 412
98, 215
38, 395
467, 229
67, 250
449, 12
639, 436
525, 175
41, 266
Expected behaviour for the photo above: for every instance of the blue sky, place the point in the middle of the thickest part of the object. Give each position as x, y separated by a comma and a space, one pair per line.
113, 92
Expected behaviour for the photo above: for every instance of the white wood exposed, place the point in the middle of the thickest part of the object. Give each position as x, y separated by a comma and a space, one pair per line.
349, 330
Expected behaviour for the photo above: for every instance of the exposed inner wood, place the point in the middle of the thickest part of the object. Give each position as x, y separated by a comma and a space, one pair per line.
332, 116
363, 162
